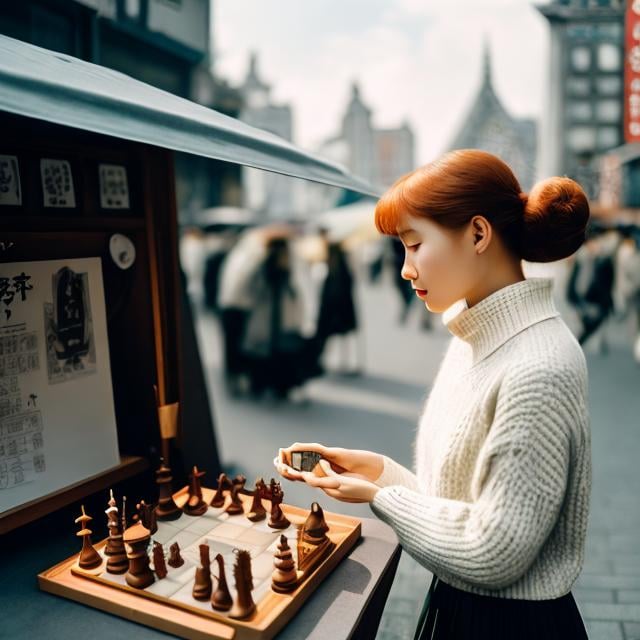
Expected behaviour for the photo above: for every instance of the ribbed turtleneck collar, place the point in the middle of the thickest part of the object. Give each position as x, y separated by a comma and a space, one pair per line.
501, 315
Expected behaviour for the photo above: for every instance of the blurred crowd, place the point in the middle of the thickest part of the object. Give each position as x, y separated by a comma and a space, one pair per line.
282, 293
604, 284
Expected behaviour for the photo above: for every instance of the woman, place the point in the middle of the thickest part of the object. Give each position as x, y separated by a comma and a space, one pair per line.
497, 508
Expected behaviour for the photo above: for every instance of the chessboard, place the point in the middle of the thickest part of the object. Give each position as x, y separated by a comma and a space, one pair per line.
168, 603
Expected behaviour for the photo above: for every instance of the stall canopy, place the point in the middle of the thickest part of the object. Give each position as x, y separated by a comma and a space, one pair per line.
58, 88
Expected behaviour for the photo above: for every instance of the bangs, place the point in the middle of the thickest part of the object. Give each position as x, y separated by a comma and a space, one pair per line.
393, 205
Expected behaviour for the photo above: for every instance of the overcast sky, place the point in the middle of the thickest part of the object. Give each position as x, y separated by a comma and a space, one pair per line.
418, 60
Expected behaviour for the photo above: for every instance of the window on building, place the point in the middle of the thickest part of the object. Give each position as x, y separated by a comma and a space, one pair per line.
609, 58
609, 85
580, 110
578, 86
581, 139
608, 137
608, 110
581, 58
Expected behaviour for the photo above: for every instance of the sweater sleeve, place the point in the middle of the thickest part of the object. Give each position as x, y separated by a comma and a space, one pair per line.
393, 473
517, 490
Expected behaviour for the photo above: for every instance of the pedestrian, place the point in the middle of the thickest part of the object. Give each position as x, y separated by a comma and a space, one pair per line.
337, 313
590, 287
497, 507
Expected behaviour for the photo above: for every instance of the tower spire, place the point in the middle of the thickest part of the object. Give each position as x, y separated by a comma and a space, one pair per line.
486, 62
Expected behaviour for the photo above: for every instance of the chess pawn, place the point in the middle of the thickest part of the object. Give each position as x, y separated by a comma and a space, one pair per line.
88, 558
117, 562
314, 530
136, 538
195, 505
257, 511
218, 496
235, 506
284, 579
166, 509
221, 599
175, 559
244, 606
202, 585
159, 565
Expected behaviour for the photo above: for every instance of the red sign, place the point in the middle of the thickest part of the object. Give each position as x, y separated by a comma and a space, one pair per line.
632, 72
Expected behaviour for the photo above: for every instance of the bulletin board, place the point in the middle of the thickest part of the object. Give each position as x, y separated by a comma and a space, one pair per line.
57, 418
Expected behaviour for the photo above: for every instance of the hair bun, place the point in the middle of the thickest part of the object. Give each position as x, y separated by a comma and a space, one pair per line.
555, 220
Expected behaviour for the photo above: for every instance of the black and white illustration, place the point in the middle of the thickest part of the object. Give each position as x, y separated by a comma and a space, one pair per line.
68, 327
10, 190
114, 187
55, 378
57, 183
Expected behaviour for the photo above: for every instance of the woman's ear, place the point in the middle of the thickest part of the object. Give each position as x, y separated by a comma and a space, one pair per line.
481, 232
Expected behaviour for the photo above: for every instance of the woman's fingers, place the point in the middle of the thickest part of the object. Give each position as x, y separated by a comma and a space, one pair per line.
286, 471
320, 482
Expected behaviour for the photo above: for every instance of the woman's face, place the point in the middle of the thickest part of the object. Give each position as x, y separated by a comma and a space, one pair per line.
440, 262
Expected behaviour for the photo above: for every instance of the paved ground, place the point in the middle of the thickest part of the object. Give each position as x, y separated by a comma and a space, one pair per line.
379, 410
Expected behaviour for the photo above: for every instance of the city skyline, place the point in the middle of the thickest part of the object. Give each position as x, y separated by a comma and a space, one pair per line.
399, 52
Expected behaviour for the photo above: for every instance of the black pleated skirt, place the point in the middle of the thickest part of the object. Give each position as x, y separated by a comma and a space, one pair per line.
452, 614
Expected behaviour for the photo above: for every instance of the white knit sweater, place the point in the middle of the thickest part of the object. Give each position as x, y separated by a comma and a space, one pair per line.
500, 499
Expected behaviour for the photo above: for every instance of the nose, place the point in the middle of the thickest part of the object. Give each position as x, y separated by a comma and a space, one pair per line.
408, 271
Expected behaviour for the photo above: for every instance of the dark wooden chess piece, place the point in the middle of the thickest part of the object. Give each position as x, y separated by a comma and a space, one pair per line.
244, 606
88, 558
147, 515
235, 506
221, 599
167, 509
284, 579
257, 511
117, 562
202, 585
175, 559
139, 575
314, 530
218, 496
195, 505
277, 519
159, 565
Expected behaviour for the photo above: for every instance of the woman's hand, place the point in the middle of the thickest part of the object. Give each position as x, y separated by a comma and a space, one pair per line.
343, 487
354, 463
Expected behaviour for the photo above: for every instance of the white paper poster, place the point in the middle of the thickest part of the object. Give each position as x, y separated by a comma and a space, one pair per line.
57, 420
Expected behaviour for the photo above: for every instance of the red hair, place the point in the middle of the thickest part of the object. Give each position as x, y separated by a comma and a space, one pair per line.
546, 225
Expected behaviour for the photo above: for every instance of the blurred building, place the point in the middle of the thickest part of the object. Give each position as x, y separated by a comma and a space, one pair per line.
380, 156
165, 43
271, 194
585, 110
490, 127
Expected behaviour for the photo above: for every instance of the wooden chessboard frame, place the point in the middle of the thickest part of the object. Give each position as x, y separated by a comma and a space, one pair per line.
273, 612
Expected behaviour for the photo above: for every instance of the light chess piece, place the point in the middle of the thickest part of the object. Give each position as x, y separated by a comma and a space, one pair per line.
117, 562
